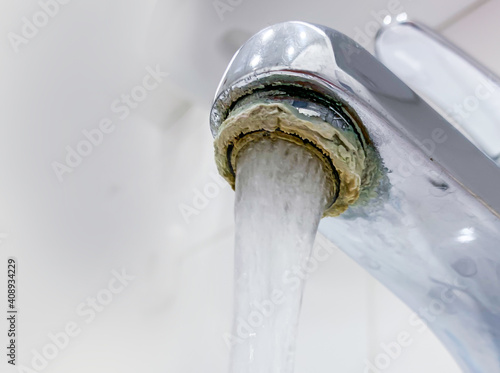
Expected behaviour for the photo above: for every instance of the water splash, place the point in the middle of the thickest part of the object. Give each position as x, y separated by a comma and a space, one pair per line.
280, 197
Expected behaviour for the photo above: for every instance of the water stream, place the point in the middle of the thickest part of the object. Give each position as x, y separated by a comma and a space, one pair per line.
280, 197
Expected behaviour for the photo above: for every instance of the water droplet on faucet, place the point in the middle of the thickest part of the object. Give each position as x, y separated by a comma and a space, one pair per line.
465, 267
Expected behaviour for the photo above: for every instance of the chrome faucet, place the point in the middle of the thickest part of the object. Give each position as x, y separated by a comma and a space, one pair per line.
430, 229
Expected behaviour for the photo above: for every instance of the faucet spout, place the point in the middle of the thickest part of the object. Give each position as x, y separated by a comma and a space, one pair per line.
424, 218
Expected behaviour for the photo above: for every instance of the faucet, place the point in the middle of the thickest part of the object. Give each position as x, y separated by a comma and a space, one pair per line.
413, 201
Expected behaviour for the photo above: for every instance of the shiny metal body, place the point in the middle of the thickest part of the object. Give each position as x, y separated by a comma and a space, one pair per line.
465, 91
432, 236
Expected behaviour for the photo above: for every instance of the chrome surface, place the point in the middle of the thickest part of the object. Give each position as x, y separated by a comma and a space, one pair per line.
460, 87
432, 235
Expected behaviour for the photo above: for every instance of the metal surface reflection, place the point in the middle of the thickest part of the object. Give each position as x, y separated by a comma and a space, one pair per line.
460, 87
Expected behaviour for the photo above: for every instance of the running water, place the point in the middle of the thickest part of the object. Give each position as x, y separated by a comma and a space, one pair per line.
280, 197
